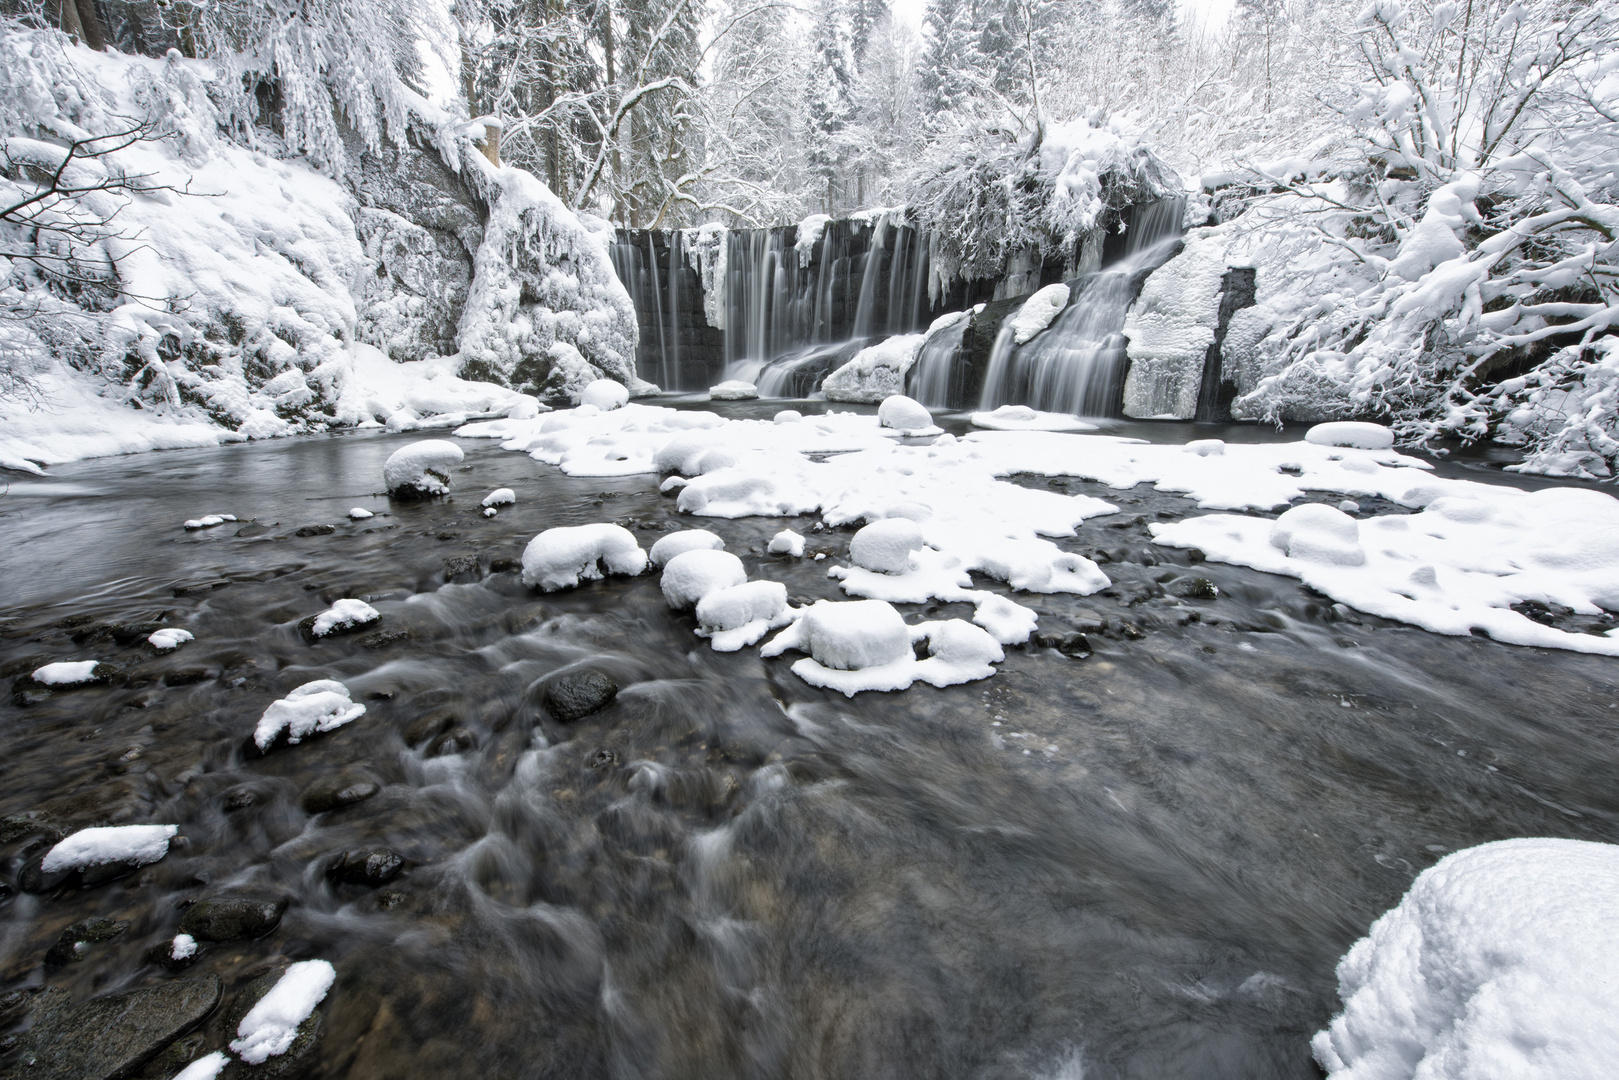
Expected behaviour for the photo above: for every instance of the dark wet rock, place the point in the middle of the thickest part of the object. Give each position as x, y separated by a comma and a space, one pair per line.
17, 826
176, 1056
297, 1057
430, 726
240, 799
12, 1003
370, 868
76, 940
1194, 588
1131, 631
102, 873
316, 530
578, 693
187, 676
390, 899
34, 878
73, 621
88, 634
1195, 555
447, 535
133, 633
461, 566
111, 1037
253, 528
162, 955
306, 628
1075, 646
199, 587
231, 918
336, 792
381, 639
458, 740
602, 760
103, 674
505, 565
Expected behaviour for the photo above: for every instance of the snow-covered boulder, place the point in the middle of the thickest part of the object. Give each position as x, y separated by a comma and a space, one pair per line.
787, 542
788, 416
901, 413
271, 1025
1499, 962
605, 394
847, 635
421, 470
500, 497
741, 614
692, 575
859, 645
1171, 327
67, 673
360, 513
168, 638
876, 372
1037, 312
1318, 533
343, 617
886, 545
678, 543
1352, 433
322, 705
133, 845
562, 557
733, 390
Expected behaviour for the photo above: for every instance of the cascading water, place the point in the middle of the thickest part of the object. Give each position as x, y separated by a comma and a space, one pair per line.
1077, 364
936, 363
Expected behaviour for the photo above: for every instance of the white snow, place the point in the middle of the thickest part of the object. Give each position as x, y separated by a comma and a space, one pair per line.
360, 513
678, 543
1351, 433
322, 705
906, 415
206, 1067
270, 1026
847, 635
66, 673
787, 542
858, 645
1023, 418
733, 390
788, 416
208, 521
1171, 327
876, 372
692, 575
342, 615
886, 545
1037, 312
136, 844
560, 558
1499, 962
605, 394
500, 497
741, 614
183, 947
1318, 533
424, 466
166, 639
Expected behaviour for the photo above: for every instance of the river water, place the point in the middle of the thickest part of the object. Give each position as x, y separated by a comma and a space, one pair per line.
1144, 862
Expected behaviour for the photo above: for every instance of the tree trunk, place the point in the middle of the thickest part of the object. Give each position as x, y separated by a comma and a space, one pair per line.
94, 36
70, 20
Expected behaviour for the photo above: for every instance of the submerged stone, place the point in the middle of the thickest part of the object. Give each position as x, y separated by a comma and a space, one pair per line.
336, 792
112, 1036
75, 941
371, 867
231, 918
578, 694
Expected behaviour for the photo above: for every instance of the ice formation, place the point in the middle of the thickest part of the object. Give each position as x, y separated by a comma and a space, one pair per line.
343, 615
876, 372
272, 1023
682, 541
166, 639
133, 844
692, 575
322, 705
67, 673
1499, 962
787, 542
562, 557
733, 390
421, 469
1171, 327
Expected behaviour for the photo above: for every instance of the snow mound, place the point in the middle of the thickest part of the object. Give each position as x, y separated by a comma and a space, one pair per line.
858, 645
678, 543
886, 545
421, 470
270, 1026
847, 635
692, 575
164, 640
1318, 533
876, 372
787, 542
500, 497
733, 390
741, 614
208, 521
344, 615
322, 705
560, 558
1023, 418
206, 1067
67, 673
183, 947
904, 414
133, 844
1037, 312
360, 513
1499, 962
788, 416
1353, 433
605, 394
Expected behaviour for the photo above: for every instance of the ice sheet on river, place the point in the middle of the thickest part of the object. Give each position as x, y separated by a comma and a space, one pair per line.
1471, 552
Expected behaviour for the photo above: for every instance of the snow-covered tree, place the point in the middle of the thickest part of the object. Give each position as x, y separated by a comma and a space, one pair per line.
829, 99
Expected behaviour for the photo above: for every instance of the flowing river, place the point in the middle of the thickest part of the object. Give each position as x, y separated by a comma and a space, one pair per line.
1138, 850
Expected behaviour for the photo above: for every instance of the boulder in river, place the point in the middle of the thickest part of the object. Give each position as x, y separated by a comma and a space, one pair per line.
338, 791
75, 941
578, 694
232, 918
111, 1036
371, 867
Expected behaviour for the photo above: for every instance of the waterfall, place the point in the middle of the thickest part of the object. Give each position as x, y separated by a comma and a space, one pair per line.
671, 347
1077, 364
930, 378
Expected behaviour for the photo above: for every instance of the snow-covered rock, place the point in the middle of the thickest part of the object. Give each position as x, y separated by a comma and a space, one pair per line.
66, 673
741, 614
1499, 962
678, 543
272, 1023
692, 575
182, 947
421, 470
1171, 327
605, 394
500, 497
1023, 418
207, 1067
347, 614
322, 705
1353, 433
733, 390
208, 521
360, 513
1037, 312
886, 545
169, 638
135, 845
562, 557
876, 372
847, 635
901, 413
787, 542
859, 645
788, 416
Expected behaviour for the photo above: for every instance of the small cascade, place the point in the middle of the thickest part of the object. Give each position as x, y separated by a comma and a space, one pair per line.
930, 376
1077, 364
671, 344
677, 349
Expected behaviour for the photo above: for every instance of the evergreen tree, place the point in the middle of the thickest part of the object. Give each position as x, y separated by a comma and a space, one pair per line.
828, 105
867, 18
949, 53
